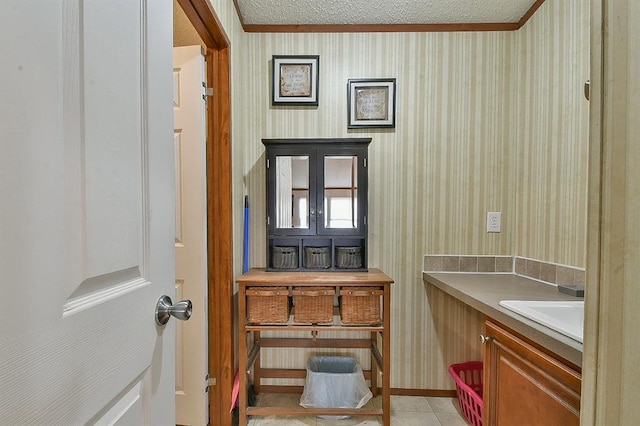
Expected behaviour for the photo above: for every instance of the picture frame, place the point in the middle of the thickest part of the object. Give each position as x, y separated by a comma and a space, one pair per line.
372, 103
295, 80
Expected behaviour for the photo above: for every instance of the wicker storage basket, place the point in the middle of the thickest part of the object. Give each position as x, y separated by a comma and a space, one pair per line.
284, 257
317, 257
268, 305
360, 305
313, 304
348, 257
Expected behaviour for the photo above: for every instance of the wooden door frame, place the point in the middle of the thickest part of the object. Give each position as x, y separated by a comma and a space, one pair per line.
219, 206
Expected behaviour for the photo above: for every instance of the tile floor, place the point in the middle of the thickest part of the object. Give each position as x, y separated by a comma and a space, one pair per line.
405, 411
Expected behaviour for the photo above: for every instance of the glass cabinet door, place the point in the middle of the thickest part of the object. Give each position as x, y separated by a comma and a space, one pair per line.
291, 205
292, 191
316, 192
340, 191
341, 195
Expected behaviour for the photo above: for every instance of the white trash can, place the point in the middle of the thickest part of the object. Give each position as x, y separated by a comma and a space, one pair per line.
334, 382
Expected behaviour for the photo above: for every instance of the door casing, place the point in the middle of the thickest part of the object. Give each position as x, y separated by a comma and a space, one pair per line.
219, 206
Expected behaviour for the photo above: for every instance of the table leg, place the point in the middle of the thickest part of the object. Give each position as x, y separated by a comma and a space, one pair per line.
374, 365
242, 361
256, 366
386, 358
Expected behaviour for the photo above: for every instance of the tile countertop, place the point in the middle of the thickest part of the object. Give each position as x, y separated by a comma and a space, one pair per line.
483, 292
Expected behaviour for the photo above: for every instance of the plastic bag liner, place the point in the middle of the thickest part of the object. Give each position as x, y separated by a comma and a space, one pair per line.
334, 382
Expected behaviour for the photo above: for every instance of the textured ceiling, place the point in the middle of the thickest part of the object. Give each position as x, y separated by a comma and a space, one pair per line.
381, 12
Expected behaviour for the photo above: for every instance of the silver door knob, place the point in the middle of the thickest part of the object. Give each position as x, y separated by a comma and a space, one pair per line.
165, 309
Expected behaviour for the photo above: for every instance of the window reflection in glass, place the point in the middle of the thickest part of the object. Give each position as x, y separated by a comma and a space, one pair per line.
340, 192
292, 192
300, 208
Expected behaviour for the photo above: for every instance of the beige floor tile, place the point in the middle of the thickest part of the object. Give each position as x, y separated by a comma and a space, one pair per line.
414, 418
353, 421
451, 419
444, 405
410, 403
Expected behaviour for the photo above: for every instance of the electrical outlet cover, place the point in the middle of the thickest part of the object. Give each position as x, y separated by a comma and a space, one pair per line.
494, 221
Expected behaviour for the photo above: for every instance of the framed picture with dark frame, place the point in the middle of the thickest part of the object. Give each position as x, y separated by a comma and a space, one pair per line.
372, 103
295, 80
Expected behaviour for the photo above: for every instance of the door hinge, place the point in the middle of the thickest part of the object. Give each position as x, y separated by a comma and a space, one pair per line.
365, 163
268, 221
208, 91
267, 163
209, 381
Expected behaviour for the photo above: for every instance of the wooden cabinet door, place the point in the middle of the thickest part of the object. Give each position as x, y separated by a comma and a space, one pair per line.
525, 386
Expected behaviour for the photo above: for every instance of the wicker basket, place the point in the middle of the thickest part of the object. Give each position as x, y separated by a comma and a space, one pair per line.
284, 257
348, 257
360, 306
313, 304
317, 258
267, 305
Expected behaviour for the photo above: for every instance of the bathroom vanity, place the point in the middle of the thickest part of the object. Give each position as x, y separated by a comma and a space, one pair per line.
526, 384
532, 373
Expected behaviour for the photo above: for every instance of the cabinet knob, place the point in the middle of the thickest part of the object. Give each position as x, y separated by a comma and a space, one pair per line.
485, 339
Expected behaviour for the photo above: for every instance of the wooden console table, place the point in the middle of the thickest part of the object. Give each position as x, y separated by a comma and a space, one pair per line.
250, 356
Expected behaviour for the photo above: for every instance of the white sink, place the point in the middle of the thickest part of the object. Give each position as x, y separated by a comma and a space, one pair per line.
565, 317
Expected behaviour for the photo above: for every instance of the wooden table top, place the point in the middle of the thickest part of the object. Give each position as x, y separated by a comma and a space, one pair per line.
258, 277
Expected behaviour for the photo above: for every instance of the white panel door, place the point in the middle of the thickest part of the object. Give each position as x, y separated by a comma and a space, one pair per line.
192, 406
86, 212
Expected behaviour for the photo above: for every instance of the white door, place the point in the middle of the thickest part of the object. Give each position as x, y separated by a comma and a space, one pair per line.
86, 212
192, 406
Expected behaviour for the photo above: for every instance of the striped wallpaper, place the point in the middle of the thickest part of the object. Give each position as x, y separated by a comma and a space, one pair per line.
490, 121
611, 366
551, 117
431, 179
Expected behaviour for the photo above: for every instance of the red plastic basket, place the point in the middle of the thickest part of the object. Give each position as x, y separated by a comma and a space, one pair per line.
468, 378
